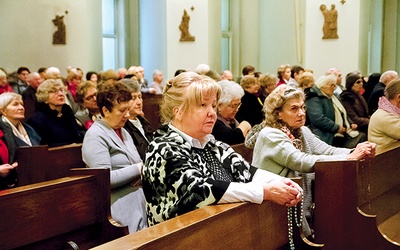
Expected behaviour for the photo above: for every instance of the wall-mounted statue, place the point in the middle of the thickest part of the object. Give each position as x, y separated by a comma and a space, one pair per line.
59, 34
330, 22
184, 28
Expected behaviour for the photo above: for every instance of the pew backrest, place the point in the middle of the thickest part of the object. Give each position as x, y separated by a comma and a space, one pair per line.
357, 203
41, 163
151, 109
55, 213
244, 151
227, 226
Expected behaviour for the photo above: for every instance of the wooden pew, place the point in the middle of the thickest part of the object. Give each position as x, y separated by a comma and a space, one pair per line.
59, 214
151, 109
228, 226
358, 203
40, 163
63, 158
244, 151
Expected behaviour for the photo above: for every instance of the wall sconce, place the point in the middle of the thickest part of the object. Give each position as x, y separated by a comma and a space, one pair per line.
342, 1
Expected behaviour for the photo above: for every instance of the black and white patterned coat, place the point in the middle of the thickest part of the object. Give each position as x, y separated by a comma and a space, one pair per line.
176, 180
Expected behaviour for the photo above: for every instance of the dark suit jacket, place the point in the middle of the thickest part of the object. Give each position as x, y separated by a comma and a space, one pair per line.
138, 139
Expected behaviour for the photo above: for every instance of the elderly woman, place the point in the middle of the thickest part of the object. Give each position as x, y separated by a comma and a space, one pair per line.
286, 147
251, 108
328, 118
13, 133
227, 128
384, 125
54, 120
187, 169
12, 115
108, 145
138, 126
355, 105
88, 110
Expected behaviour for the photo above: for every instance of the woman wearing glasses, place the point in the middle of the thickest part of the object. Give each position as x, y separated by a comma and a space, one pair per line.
354, 103
288, 148
54, 120
88, 110
227, 128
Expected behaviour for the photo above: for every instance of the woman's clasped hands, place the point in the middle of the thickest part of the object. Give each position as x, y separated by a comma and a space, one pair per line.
283, 192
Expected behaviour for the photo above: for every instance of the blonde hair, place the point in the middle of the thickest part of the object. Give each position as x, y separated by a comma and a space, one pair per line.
306, 79
184, 91
275, 101
247, 81
268, 79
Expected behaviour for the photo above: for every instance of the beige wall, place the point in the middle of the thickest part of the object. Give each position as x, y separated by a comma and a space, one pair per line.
27, 32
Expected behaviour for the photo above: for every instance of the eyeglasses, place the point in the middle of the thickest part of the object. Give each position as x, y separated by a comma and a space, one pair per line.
359, 81
56, 91
90, 97
235, 106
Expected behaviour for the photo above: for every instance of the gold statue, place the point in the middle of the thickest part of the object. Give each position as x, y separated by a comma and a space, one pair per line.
330, 22
184, 27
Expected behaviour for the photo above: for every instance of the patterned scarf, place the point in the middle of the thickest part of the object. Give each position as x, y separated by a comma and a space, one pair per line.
294, 135
386, 105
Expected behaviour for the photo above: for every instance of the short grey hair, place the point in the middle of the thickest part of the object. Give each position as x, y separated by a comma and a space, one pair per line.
7, 97
43, 90
230, 90
52, 73
132, 85
325, 80
388, 76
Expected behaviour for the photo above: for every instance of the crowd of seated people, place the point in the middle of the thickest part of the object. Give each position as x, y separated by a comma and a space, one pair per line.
290, 121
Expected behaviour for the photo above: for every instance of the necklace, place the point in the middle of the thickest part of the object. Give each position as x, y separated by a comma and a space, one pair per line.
366, 169
292, 212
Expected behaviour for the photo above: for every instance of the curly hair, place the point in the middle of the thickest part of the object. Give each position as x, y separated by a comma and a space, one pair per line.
275, 101
111, 94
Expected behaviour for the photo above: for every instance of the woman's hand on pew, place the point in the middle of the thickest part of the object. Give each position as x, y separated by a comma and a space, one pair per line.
6, 168
283, 192
362, 151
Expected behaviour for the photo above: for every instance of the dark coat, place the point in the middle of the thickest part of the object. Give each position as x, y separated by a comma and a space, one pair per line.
374, 98
356, 108
227, 134
54, 130
321, 115
138, 139
251, 109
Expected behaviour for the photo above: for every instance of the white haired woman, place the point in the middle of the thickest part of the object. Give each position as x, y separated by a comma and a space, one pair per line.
227, 128
327, 116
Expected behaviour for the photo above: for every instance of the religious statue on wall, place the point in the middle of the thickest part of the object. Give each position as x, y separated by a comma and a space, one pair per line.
184, 28
330, 22
59, 34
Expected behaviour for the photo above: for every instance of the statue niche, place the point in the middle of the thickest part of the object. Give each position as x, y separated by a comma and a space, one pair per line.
184, 28
59, 34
